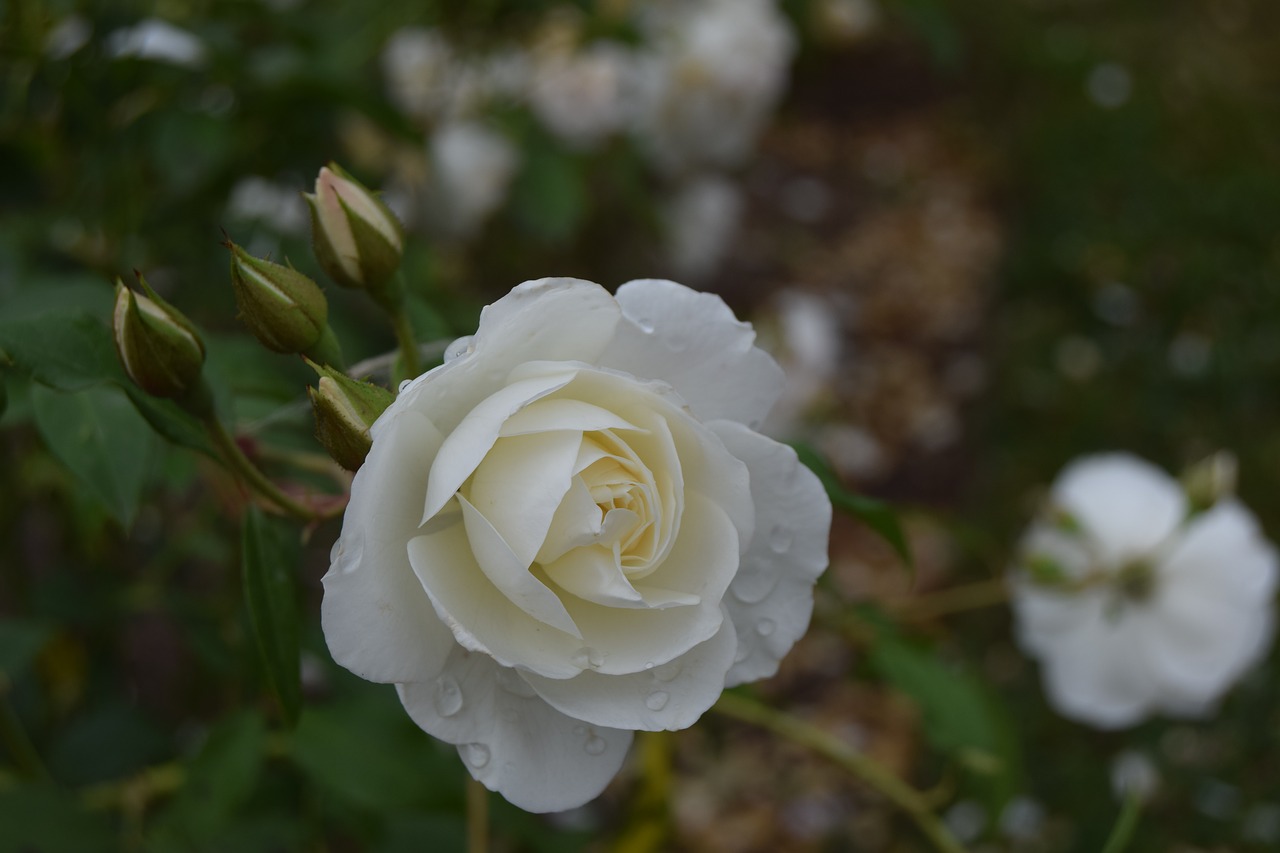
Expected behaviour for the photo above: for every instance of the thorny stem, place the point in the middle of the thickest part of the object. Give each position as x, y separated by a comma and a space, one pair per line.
477, 817
869, 771
249, 472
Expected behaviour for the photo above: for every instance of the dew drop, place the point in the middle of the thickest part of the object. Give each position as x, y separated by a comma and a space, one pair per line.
780, 539
645, 324
458, 348
595, 745
765, 627
657, 700
580, 659
477, 755
753, 587
403, 385
648, 664
595, 659
448, 696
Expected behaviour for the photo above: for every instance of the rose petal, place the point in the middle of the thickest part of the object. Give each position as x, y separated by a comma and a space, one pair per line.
480, 616
622, 641
771, 597
511, 740
377, 621
592, 573
693, 341
562, 414
671, 696
1223, 555
1096, 673
510, 575
466, 447
519, 485
1127, 507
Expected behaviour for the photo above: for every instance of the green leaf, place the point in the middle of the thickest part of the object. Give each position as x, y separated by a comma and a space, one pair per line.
72, 351
101, 438
549, 196
269, 559
218, 781
877, 515
69, 351
50, 820
370, 755
959, 717
20, 641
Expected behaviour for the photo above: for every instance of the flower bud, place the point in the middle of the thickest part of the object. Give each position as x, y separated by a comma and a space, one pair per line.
345, 408
283, 308
357, 239
1210, 480
159, 347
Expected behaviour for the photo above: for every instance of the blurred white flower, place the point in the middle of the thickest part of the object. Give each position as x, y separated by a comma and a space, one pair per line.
1134, 774
718, 71
586, 95
701, 222
472, 169
277, 205
67, 36
1133, 603
157, 40
418, 63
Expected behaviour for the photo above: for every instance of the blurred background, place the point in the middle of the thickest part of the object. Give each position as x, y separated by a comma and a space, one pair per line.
983, 238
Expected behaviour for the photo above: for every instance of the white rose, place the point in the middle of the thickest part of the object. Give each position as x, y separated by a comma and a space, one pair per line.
570, 531
1157, 610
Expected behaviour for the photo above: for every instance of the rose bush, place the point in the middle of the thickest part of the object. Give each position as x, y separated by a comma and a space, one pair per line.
1134, 603
570, 531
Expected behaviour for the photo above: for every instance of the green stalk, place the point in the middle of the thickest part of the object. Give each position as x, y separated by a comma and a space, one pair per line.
899, 793
250, 474
477, 817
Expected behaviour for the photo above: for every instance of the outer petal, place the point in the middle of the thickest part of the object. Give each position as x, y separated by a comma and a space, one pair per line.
551, 319
693, 341
771, 598
1098, 672
513, 741
1223, 554
1128, 507
672, 696
377, 621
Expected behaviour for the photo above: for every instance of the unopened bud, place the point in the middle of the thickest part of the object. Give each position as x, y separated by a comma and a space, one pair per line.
344, 409
1210, 480
357, 239
283, 308
159, 347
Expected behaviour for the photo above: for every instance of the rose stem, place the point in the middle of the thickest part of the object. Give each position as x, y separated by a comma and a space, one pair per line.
869, 771
477, 817
249, 472
1125, 824
957, 599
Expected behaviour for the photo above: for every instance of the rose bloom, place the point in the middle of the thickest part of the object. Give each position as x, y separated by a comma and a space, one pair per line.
1134, 603
571, 531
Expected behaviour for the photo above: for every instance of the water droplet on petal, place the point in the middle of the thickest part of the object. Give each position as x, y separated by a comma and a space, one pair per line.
765, 627
403, 385
458, 348
476, 754
753, 587
580, 659
780, 539
595, 659
656, 701
595, 745
447, 696
648, 664
645, 324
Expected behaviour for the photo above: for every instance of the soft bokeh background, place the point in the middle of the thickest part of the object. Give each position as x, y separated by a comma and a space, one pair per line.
984, 237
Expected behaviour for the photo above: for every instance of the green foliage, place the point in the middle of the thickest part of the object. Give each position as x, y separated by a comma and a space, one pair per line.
51, 820
268, 560
877, 515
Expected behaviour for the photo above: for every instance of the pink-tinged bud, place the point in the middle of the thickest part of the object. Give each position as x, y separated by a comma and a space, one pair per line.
344, 409
160, 349
357, 239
